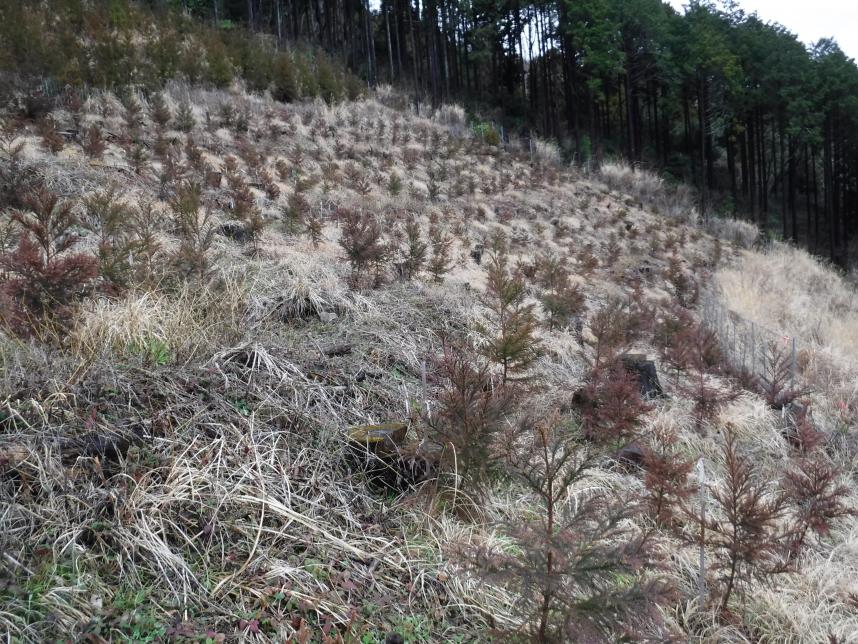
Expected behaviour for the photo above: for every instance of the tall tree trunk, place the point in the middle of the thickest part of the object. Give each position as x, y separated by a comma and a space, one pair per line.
398, 37
791, 187
752, 165
444, 46
390, 60
570, 89
743, 161
827, 182
689, 147
763, 178
813, 163
782, 171
370, 45
630, 119
731, 169
701, 127
807, 195
415, 69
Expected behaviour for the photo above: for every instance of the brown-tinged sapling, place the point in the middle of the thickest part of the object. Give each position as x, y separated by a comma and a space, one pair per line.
581, 569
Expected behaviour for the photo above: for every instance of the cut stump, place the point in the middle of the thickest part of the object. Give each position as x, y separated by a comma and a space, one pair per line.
646, 373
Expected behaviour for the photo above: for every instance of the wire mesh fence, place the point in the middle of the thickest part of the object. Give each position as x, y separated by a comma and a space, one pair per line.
750, 347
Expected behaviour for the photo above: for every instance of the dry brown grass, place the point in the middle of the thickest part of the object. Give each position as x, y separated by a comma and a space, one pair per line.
676, 202
741, 233
236, 499
546, 152
790, 292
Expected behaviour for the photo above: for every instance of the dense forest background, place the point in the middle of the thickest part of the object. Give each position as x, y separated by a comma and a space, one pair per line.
762, 125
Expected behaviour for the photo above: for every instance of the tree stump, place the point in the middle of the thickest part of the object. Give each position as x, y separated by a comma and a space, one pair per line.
631, 456
379, 441
381, 453
639, 366
236, 231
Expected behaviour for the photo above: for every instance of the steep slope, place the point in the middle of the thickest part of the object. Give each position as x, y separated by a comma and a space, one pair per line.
174, 447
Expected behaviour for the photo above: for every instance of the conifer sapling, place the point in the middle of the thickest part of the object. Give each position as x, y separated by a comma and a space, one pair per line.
578, 565
744, 532
414, 251
511, 342
666, 477
611, 405
440, 262
467, 415
43, 274
93, 143
195, 229
362, 242
185, 120
812, 489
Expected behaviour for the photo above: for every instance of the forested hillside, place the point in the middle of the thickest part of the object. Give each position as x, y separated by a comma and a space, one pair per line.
734, 104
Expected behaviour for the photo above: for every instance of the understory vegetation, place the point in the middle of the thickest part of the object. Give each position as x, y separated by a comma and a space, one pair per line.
120, 44
336, 372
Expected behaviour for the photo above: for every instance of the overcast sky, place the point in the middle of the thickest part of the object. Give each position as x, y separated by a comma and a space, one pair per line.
809, 19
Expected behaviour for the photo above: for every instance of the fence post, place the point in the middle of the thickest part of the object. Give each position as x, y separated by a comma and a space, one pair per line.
701, 574
716, 319
792, 378
425, 388
753, 348
735, 337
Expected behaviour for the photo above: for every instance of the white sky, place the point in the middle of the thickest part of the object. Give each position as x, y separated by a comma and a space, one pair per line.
809, 19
